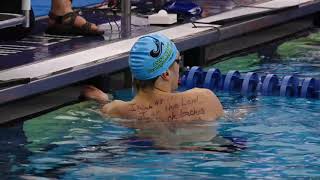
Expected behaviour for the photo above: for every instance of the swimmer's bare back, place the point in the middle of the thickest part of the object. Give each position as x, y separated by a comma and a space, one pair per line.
194, 104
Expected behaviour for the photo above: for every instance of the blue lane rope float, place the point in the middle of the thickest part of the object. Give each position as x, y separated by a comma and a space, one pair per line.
270, 85
289, 86
194, 78
212, 79
251, 84
231, 81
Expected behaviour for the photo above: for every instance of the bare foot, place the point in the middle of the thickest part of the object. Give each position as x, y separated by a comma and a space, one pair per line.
96, 94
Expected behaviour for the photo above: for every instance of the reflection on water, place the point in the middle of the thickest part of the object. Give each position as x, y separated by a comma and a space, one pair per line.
13, 152
174, 135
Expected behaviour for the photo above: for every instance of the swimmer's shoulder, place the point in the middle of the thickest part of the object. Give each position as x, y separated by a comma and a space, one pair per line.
207, 98
199, 91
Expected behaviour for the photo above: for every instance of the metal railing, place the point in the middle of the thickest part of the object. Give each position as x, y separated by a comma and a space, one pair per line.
10, 19
126, 18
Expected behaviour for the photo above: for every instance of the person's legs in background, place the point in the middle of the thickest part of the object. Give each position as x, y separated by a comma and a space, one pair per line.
63, 20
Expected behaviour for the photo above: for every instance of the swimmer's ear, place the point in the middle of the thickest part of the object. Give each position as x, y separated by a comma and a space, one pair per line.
165, 75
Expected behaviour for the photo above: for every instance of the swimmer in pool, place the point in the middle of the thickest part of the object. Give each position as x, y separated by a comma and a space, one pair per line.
154, 64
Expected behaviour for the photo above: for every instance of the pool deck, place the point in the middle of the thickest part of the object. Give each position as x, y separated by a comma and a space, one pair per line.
104, 55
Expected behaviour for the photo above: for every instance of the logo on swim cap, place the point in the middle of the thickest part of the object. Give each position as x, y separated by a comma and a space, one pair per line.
151, 56
165, 56
156, 53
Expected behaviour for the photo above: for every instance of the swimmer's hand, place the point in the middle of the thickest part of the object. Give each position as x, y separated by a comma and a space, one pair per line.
93, 93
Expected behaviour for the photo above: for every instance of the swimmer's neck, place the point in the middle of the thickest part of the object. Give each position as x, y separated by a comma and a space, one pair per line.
153, 91
161, 89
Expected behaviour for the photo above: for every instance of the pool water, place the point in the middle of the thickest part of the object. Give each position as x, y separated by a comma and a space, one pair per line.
262, 138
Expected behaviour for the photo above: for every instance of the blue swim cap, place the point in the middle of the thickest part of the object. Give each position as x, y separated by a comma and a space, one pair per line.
151, 56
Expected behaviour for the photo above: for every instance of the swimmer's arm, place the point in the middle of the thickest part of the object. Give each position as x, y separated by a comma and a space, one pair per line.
105, 99
93, 93
109, 108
